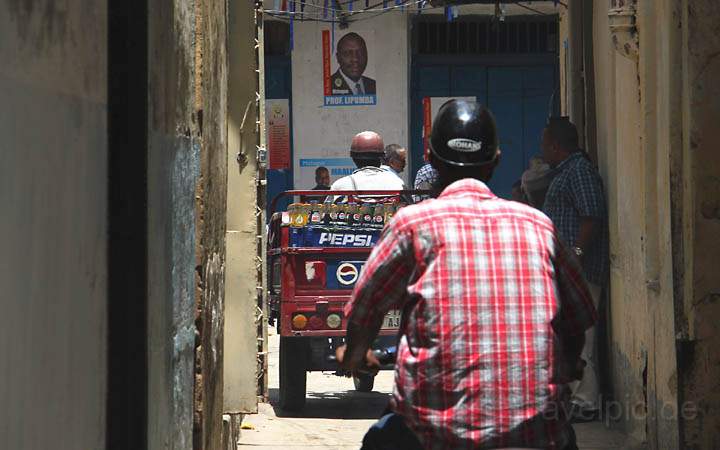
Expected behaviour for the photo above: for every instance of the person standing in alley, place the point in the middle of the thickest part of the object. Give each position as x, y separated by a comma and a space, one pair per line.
425, 179
575, 202
395, 159
535, 181
494, 308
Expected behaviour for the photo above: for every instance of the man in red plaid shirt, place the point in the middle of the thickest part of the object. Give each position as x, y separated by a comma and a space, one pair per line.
494, 308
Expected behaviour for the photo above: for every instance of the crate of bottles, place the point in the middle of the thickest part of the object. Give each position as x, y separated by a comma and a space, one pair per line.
338, 225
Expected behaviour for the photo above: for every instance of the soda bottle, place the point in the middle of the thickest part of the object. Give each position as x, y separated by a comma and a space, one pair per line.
364, 215
294, 212
299, 215
316, 213
354, 216
379, 216
332, 214
342, 214
389, 211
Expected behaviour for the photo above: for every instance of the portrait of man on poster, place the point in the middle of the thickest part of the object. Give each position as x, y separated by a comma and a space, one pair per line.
352, 58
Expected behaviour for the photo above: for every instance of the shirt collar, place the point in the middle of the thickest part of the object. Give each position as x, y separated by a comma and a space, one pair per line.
468, 187
390, 169
370, 168
566, 161
352, 83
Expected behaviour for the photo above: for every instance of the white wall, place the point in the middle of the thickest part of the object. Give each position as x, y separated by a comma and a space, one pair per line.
325, 132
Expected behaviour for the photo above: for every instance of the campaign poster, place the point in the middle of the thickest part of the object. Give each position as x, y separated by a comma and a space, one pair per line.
431, 106
277, 116
337, 167
349, 68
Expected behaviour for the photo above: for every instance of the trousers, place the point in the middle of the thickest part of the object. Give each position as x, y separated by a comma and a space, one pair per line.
392, 433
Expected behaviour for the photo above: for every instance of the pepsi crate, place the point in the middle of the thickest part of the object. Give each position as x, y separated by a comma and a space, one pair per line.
323, 236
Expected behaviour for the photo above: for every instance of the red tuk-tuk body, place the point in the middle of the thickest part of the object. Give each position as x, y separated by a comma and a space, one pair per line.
311, 280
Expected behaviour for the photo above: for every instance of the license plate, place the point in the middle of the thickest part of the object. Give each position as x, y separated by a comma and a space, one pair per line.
392, 319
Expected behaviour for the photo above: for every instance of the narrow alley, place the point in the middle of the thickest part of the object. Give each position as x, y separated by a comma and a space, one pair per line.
207, 207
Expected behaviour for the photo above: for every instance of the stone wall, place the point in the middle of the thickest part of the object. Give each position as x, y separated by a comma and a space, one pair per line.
211, 190
699, 360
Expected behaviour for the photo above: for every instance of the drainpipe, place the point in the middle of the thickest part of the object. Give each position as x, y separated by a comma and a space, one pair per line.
589, 82
576, 94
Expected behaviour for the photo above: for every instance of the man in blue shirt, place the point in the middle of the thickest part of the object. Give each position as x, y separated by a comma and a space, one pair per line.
575, 202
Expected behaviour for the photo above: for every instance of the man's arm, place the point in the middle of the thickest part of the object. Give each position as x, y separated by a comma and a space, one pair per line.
381, 287
356, 353
589, 229
577, 312
589, 200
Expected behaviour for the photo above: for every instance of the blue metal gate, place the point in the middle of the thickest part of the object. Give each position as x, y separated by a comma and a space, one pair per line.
518, 88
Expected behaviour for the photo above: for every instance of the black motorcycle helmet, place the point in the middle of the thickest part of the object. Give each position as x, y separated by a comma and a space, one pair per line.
464, 134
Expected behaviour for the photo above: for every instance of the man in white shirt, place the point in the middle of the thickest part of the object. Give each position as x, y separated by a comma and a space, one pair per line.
367, 151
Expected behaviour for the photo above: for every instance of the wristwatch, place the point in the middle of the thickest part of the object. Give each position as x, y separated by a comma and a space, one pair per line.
578, 251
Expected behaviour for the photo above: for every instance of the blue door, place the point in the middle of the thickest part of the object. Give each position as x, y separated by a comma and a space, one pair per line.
278, 84
519, 96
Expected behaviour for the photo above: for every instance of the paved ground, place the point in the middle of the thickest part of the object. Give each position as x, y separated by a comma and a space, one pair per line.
336, 417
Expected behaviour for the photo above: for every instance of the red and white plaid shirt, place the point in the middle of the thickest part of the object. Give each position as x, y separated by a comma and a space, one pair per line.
487, 290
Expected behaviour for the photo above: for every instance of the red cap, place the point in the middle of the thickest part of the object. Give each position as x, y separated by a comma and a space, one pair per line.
367, 142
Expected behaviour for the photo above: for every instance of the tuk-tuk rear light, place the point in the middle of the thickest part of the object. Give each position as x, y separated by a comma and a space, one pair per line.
334, 321
316, 323
299, 321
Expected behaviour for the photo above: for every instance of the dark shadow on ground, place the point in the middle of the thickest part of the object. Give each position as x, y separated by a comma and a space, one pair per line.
336, 405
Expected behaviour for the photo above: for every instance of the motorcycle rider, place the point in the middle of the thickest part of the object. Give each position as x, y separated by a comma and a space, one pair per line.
494, 308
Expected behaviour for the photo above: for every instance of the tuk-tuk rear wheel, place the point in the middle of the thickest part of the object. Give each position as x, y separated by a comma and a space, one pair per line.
293, 374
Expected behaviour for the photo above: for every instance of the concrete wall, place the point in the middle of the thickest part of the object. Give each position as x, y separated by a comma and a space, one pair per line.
325, 132
53, 194
187, 178
173, 171
241, 371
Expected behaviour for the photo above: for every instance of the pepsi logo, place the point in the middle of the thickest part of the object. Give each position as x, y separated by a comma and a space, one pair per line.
347, 274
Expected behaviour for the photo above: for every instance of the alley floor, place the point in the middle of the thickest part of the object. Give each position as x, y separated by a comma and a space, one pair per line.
336, 417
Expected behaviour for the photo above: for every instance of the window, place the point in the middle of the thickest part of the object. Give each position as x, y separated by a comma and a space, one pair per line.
481, 35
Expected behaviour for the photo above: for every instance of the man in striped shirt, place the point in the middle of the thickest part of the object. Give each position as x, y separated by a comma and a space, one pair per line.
494, 308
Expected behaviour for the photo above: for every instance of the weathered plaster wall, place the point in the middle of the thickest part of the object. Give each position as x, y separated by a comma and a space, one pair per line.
623, 166
173, 171
657, 115
660, 75
53, 195
626, 204
700, 361
240, 370
211, 83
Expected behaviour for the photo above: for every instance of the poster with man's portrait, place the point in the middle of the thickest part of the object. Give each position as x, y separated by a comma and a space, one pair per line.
348, 68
